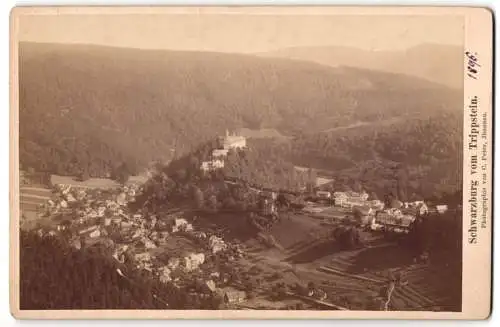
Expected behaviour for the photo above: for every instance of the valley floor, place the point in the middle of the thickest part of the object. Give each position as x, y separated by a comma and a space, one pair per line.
352, 280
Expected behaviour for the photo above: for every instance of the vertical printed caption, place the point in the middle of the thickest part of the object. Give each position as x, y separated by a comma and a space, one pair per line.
478, 150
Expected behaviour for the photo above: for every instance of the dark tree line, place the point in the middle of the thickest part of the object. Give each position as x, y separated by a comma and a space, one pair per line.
440, 235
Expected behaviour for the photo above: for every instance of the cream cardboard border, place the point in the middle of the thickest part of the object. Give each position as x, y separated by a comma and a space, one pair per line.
476, 299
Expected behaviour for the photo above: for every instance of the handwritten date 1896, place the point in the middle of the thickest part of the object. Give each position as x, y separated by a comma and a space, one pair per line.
472, 64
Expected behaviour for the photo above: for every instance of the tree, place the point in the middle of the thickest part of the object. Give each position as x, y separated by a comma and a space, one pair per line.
212, 203
84, 175
402, 183
388, 199
357, 187
121, 173
229, 202
358, 215
242, 205
179, 175
373, 196
348, 237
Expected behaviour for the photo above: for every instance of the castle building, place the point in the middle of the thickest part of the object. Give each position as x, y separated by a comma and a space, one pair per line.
226, 143
232, 141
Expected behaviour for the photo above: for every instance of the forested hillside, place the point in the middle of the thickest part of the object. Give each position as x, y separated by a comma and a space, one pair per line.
261, 165
429, 150
89, 108
421, 155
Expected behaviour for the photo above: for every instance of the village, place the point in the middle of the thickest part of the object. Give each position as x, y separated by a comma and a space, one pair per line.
168, 247
175, 247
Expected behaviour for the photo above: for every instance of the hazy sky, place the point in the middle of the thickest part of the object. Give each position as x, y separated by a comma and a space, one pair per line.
242, 33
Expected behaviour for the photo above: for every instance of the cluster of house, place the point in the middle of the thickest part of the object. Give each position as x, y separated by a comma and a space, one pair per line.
226, 143
87, 213
183, 268
375, 214
88, 217
392, 219
350, 199
398, 217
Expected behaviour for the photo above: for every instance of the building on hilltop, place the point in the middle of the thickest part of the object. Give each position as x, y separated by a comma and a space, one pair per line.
232, 141
226, 143
217, 153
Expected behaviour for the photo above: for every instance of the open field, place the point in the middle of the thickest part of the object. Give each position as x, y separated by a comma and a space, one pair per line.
262, 133
34, 195
89, 183
321, 179
30, 199
326, 211
102, 183
40, 191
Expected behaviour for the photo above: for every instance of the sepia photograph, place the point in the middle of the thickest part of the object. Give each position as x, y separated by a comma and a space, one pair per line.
241, 159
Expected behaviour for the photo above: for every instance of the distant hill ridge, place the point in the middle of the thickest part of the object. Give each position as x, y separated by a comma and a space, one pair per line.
438, 63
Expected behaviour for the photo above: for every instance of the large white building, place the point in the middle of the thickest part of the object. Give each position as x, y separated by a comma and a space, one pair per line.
232, 141
227, 142
393, 219
219, 153
350, 199
212, 165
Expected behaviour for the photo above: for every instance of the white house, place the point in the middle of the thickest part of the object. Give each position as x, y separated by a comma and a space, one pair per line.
324, 194
193, 261
95, 233
340, 199
164, 274
415, 208
350, 199
442, 208
219, 153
